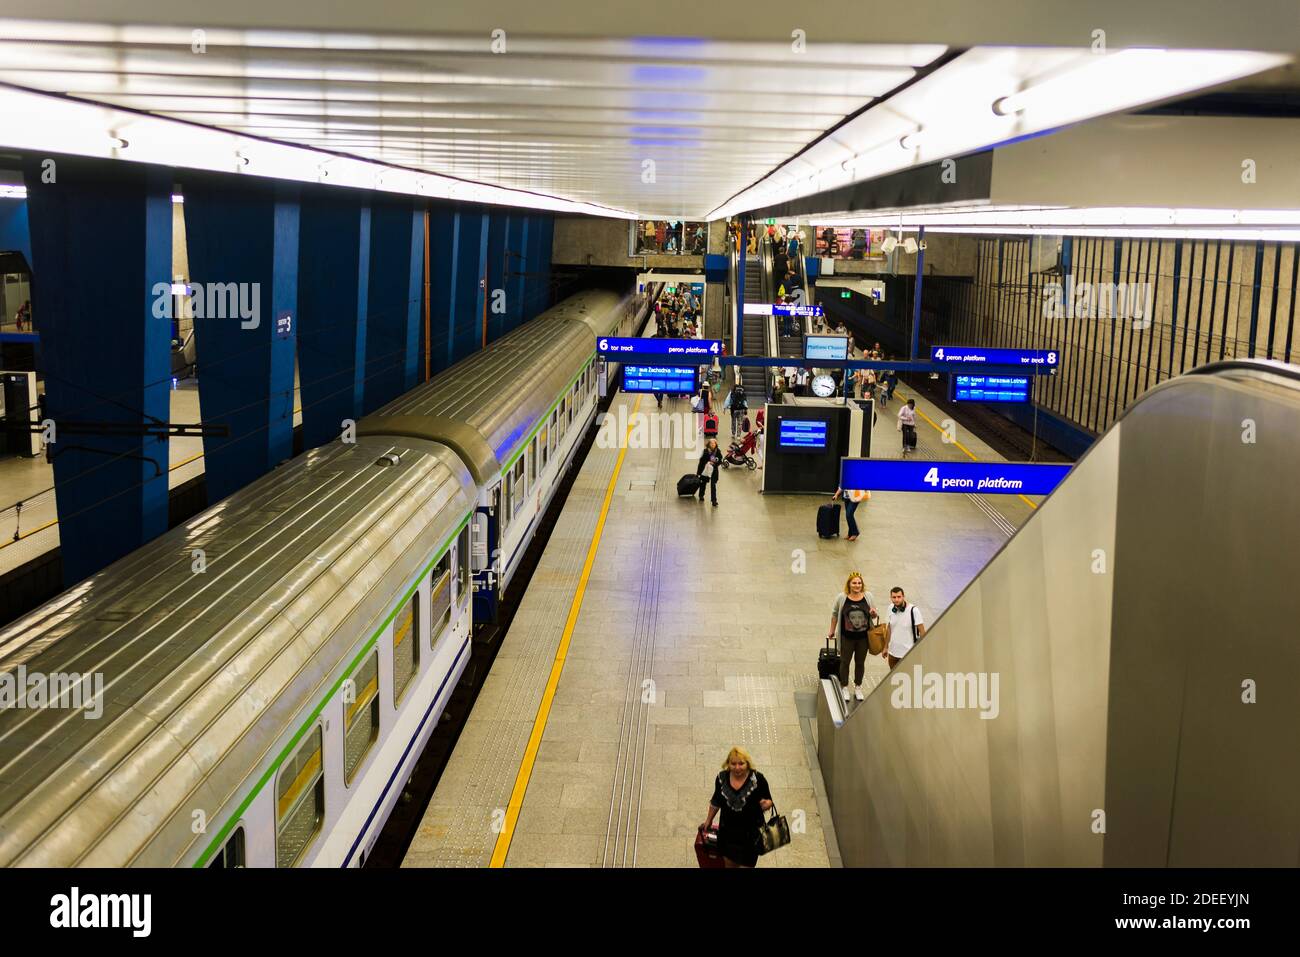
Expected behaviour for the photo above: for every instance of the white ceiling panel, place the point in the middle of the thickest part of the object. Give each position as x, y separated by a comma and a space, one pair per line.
666, 126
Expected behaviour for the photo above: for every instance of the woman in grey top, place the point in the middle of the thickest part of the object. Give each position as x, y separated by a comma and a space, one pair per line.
851, 618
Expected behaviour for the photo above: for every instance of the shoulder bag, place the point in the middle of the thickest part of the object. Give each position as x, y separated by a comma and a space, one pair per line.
775, 833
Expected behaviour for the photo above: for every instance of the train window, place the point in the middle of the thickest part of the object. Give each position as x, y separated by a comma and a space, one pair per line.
361, 714
564, 417
406, 647
440, 598
462, 564
518, 485
299, 800
231, 853
543, 445
503, 504
532, 460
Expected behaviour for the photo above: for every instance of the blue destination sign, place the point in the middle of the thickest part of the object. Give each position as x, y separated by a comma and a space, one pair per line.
1043, 361
990, 388
768, 309
703, 348
677, 380
992, 478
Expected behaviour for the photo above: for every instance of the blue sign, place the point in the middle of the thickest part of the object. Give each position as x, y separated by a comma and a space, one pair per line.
826, 348
702, 349
990, 388
768, 309
989, 478
803, 434
674, 380
1041, 361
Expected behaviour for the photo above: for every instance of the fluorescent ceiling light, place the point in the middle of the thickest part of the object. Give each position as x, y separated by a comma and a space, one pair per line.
52, 124
951, 112
13, 192
1065, 218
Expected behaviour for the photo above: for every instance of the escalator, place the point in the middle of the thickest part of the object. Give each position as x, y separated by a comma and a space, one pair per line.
1140, 634
754, 342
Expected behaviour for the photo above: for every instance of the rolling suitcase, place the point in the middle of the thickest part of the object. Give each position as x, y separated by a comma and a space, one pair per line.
909, 437
828, 661
688, 485
706, 847
828, 520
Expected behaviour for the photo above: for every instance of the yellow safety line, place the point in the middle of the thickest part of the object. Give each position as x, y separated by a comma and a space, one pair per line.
502, 847
968, 453
178, 465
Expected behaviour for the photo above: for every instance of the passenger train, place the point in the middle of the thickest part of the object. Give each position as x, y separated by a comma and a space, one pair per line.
272, 668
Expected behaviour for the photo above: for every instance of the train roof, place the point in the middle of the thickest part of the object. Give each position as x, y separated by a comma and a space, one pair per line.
486, 405
202, 673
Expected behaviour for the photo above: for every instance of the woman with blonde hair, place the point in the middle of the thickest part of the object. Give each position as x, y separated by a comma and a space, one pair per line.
741, 793
851, 617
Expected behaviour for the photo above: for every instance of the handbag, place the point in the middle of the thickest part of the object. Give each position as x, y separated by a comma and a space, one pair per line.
775, 833
876, 637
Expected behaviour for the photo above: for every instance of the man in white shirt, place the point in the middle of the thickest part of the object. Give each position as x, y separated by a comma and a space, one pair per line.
907, 425
906, 627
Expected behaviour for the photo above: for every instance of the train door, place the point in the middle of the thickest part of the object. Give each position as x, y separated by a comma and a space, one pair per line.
486, 550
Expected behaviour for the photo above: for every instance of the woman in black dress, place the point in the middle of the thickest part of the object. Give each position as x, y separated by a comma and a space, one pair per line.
742, 795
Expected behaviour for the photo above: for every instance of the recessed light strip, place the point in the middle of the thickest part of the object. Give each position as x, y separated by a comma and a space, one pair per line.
41, 123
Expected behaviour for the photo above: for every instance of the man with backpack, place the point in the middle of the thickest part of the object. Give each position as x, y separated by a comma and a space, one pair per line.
738, 405
906, 627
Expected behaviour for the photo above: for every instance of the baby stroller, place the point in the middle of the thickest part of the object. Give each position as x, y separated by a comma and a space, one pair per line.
740, 452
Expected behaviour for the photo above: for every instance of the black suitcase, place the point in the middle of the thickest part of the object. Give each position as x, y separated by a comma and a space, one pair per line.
828, 520
828, 661
688, 485
909, 437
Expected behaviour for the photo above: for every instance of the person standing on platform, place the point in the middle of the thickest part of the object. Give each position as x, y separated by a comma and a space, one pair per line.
907, 425
742, 795
710, 458
851, 617
760, 422
906, 627
703, 403
737, 405
852, 499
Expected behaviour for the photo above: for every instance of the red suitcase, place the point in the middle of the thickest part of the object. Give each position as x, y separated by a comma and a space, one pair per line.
706, 847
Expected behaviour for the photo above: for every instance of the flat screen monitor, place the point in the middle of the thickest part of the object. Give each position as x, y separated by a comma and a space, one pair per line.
826, 348
803, 435
674, 380
990, 388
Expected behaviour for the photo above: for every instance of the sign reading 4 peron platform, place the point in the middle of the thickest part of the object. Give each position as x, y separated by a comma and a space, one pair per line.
1040, 360
908, 475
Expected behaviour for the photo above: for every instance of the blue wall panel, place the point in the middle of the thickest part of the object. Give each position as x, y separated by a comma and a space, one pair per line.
334, 271
14, 234
244, 235
393, 312
101, 242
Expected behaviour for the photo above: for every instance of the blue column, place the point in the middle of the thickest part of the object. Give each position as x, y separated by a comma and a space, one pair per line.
333, 294
242, 240
14, 234
469, 262
101, 255
545, 226
442, 260
517, 267
498, 303
393, 314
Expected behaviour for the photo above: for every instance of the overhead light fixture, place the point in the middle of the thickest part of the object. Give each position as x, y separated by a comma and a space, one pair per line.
43, 123
889, 244
909, 246
13, 192
912, 141
177, 198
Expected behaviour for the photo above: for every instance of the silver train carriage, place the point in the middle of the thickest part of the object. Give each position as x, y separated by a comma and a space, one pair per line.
253, 687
